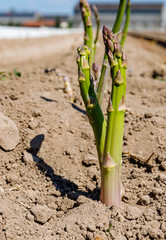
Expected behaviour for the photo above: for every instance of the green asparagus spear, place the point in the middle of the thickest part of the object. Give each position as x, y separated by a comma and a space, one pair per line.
104, 71
88, 31
111, 165
94, 112
97, 18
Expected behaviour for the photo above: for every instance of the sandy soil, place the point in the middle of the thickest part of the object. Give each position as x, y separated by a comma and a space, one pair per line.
49, 183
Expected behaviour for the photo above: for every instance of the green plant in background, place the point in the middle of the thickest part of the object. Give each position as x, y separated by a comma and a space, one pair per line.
126, 25
17, 73
108, 133
4, 75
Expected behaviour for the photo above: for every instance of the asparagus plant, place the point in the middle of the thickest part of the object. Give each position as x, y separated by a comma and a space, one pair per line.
108, 134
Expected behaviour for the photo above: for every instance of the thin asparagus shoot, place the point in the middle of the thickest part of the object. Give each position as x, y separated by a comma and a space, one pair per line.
88, 30
97, 18
96, 74
67, 87
126, 25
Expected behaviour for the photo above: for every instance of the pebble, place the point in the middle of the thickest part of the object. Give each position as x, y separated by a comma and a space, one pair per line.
66, 204
9, 137
81, 199
156, 234
163, 166
91, 227
33, 124
92, 173
89, 161
30, 158
144, 200
89, 236
120, 218
12, 179
148, 115
59, 214
133, 212
162, 177
149, 215
41, 213
142, 184
56, 193
163, 227
30, 217
114, 210
157, 191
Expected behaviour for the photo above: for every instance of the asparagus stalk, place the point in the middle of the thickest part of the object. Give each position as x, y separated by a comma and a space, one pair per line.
97, 18
111, 164
94, 112
96, 73
127, 21
67, 87
104, 71
88, 31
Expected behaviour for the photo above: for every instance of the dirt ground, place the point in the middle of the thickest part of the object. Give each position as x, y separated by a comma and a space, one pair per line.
49, 184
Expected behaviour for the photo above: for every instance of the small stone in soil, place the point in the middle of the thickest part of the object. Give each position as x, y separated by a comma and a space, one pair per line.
148, 115
29, 217
162, 177
81, 199
144, 200
163, 227
91, 227
163, 166
9, 137
157, 191
41, 213
89, 161
156, 234
149, 215
133, 212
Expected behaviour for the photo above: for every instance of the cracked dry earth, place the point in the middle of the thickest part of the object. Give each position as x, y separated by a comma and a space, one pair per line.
49, 183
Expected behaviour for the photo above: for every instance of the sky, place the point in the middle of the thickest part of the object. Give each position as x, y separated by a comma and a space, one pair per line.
54, 6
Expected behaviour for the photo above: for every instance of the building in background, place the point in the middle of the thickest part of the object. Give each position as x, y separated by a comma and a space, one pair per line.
143, 15
15, 18
33, 19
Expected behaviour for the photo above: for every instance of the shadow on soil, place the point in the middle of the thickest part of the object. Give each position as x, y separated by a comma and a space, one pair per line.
48, 99
64, 186
78, 109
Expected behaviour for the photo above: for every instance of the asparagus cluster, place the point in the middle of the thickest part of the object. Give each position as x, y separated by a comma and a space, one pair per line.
108, 133
101, 81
